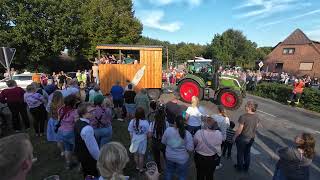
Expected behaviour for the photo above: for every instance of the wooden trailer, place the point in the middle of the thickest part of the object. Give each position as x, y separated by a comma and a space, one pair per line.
146, 73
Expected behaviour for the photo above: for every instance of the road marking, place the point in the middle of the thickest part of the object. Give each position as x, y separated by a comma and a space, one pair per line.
255, 151
267, 113
266, 168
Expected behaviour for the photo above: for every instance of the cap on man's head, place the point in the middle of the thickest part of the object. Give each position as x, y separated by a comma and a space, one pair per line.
98, 99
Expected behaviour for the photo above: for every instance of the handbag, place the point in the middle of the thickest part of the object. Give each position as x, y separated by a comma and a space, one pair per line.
209, 145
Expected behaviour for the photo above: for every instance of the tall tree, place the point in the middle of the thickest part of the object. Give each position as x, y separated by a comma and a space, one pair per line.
109, 22
263, 52
38, 28
43, 28
233, 48
188, 51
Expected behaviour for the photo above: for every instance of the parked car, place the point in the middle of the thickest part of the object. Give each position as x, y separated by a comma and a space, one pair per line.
23, 80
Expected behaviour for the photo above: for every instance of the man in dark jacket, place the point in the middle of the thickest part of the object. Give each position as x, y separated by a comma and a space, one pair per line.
13, 96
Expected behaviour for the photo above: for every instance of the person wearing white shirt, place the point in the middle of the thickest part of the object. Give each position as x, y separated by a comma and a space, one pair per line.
193, 116
86, 146
138, 130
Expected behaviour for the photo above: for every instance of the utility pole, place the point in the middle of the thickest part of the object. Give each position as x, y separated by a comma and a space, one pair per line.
167, 59
6, 61
6, 56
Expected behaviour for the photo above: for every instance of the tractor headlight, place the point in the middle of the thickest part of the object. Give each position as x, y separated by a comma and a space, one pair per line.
209, 83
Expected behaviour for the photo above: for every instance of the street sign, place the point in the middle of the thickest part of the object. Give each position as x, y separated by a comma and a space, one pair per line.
6, 57
260, 64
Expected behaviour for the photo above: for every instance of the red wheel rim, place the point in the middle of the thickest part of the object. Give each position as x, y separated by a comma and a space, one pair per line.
187, 90
228, 99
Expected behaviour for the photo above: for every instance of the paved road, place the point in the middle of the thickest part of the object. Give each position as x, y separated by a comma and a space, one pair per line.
280, 124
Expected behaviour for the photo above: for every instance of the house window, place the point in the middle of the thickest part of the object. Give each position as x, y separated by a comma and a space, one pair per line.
306, 66
288, 50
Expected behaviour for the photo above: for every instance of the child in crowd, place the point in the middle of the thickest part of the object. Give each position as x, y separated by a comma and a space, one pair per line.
227, 144
138, 129
55, 104
35, 102
67, 118
156, 131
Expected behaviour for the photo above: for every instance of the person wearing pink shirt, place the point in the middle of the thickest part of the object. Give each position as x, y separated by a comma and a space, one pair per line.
67, 118
207, 143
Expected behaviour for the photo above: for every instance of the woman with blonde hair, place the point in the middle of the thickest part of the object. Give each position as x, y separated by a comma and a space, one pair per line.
112, 160
193, 116
294, 162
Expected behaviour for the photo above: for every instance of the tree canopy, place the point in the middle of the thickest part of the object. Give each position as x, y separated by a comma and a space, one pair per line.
109, 22
39, 29
233, 48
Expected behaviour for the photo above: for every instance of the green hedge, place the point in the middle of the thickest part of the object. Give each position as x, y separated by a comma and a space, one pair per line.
279, 92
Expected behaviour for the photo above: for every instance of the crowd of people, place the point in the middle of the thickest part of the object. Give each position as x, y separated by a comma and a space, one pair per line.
82, 129
252, 78
118, 59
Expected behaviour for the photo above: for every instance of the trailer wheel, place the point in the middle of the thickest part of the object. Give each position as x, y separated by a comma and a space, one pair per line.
154, 94
229, 99
189, 88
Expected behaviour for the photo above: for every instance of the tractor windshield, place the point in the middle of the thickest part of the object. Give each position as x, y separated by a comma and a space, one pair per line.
200, 67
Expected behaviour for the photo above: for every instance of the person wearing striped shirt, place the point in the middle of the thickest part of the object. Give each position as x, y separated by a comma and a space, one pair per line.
227, 144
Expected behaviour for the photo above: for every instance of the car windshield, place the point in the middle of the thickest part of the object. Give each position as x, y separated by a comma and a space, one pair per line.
199, 67
22, 78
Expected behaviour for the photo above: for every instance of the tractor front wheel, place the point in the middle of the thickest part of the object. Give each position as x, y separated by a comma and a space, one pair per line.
229, 99
189, 88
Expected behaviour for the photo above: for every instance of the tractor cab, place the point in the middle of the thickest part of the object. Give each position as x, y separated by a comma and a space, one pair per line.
199, 66
206, 69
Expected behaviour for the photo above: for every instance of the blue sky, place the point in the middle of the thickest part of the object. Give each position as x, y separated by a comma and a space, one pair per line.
264, 21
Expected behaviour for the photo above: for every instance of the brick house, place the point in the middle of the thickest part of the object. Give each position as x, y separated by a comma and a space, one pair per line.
297, 55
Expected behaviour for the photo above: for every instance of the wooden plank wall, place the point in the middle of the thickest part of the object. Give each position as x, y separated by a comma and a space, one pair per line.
110, 73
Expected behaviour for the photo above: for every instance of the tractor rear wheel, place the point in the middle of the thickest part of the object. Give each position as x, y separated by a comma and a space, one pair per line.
189, 88
229, 99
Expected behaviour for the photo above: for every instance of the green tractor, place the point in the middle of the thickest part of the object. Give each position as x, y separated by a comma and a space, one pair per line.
204, 81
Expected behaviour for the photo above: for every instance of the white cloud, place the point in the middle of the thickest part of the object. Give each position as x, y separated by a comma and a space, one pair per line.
264, 8
154, 18
314, 34
317, 11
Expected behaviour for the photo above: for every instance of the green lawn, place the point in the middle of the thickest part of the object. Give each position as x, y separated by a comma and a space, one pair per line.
50, 163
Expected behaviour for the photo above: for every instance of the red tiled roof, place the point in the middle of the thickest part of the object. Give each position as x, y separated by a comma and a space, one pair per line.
297, 38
